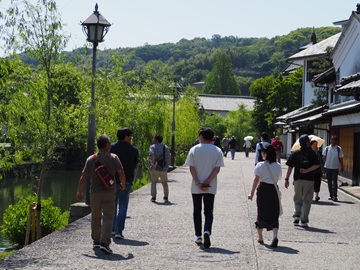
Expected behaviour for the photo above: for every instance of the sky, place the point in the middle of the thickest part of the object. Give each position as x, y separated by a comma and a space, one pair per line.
139, 22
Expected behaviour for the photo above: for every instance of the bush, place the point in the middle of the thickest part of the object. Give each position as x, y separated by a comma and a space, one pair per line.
15, 219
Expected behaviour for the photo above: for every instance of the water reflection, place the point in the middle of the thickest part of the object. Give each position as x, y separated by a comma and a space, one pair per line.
61, 185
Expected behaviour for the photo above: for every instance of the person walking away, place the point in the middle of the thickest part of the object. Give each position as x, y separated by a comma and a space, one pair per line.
333, 160
204, 161
264, 137
129, 157
267, 199
305, 163
278, 145
232, 146
318, 171
159, 155
217, 142
102, 200
225, 143
247, 145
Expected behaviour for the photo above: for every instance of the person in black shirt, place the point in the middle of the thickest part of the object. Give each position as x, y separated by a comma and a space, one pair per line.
305, 163
129, 157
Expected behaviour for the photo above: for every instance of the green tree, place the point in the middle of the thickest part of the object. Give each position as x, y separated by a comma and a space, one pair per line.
221, 80
239, 123
37, 30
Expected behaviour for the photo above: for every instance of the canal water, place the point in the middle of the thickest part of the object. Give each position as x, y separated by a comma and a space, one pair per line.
61, 185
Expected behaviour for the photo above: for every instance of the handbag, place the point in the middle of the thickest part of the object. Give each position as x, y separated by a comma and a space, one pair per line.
105, 177
277, 189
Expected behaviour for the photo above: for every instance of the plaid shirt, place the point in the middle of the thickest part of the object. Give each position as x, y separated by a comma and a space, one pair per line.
157, 149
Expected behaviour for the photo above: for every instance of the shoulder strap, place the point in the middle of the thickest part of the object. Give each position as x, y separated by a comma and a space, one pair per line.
97, 162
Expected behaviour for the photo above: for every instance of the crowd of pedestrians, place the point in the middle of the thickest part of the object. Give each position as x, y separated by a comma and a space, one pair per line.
109, 203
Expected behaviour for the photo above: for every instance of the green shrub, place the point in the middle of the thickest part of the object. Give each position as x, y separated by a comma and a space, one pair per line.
15, 219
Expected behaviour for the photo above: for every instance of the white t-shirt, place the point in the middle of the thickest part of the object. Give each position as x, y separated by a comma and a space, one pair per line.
262, 171
204, 157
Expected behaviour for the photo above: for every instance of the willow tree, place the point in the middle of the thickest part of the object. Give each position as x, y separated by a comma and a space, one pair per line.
36, 29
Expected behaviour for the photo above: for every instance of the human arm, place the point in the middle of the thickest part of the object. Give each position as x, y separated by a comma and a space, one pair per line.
312, 168
82, 181
122, 178
341, 164
288, 173
255, 184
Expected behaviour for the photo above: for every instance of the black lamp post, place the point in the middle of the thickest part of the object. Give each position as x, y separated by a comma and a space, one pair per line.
95, 28
176, 88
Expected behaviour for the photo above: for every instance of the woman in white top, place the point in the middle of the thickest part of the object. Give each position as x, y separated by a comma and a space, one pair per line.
266, 196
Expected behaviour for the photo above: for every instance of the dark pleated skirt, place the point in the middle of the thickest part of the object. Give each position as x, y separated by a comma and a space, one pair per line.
267, 206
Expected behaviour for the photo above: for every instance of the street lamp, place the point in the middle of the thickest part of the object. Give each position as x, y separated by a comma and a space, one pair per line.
95, 28
176, 88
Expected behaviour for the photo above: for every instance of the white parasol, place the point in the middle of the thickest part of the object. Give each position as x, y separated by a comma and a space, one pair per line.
248, 138
319, 140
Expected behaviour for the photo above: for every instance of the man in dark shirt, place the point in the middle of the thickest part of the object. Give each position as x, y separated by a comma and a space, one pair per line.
129, 157
305, 162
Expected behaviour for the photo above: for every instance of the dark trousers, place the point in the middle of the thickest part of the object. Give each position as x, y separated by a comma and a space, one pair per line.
208, 200
332, 180
317, 181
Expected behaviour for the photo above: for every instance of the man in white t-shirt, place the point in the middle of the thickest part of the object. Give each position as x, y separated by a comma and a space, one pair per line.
204, 160
333, 157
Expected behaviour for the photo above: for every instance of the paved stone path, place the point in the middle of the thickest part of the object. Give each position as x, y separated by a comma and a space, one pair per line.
161, 236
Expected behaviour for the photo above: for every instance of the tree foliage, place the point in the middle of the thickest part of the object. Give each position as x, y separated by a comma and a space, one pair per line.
221, 80
275, 97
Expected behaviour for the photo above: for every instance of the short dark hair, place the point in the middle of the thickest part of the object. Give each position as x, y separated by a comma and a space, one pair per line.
270, 153
265, 136
303, 140
102, 141
158, 137
122, 132
207, 133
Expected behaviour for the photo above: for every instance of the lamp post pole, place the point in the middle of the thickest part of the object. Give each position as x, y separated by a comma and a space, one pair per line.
95, 28
175, 87
91, 121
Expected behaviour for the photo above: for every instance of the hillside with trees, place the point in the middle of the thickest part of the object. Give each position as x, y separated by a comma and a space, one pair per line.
190, 61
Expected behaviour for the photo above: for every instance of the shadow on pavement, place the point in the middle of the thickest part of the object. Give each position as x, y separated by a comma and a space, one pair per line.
283, 249
218, 250
130, 242
330, 203
317, 230
109, 257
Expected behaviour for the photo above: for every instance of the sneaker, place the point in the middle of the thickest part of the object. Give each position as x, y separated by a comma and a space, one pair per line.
153, 199
335, 199
296, 221
207, 242
317, 198
96, 244
166, 199
198, 240
119, 236
304, 225
330, 198
106, 249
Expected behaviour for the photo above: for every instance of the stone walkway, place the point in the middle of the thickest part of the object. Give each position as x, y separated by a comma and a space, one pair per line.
161, 236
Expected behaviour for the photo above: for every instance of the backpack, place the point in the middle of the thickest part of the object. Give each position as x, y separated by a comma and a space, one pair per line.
259, 153
160, 162
102, 172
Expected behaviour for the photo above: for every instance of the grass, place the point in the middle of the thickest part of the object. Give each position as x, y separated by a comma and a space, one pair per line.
4, 254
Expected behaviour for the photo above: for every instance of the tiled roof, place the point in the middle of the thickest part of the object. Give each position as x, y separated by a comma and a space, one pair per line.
317, 49
225, 103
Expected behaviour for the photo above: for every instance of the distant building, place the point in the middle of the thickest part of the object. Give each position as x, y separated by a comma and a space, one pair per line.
222, 104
